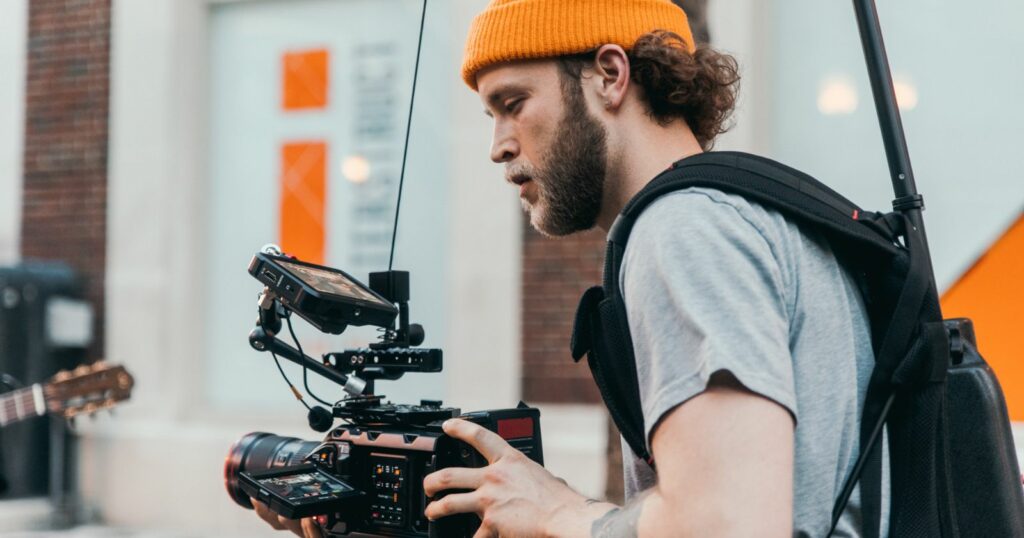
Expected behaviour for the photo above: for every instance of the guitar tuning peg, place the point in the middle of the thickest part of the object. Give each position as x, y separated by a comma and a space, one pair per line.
81, 370
102, 363
61, 375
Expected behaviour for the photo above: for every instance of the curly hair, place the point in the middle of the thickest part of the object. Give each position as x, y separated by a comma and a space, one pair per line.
700, 88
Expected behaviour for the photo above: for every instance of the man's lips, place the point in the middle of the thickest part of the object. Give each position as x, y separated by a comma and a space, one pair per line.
520, 180
522, 188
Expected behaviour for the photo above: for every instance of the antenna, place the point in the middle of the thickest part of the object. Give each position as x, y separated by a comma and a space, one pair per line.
408, 128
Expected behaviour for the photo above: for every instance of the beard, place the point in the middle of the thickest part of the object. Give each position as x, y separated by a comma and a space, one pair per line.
571, 178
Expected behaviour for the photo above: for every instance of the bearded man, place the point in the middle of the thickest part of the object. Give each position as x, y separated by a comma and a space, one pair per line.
752, 344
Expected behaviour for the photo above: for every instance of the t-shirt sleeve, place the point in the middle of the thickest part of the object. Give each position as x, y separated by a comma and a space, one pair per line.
704, 293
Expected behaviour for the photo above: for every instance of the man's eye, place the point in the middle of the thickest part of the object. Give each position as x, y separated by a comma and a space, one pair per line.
513, 105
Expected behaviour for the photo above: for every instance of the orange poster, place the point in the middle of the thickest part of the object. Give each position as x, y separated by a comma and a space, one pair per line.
304, 79
303, 199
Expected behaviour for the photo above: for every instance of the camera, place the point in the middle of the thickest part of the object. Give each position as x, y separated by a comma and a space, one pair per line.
365, 478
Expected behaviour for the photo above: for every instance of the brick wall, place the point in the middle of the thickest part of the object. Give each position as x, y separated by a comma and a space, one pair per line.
65, 151
555, 274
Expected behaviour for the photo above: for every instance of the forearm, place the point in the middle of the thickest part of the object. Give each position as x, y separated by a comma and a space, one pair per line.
595, 519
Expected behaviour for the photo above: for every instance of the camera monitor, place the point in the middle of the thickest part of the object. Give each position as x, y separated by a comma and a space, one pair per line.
298, 491
328, 298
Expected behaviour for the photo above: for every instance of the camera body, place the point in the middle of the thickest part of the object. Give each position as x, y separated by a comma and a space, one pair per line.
384, 464
365, 478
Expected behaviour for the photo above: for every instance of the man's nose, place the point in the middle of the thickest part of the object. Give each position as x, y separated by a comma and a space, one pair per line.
504, 147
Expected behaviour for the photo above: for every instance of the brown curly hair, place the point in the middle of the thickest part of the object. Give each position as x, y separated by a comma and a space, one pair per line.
700, 87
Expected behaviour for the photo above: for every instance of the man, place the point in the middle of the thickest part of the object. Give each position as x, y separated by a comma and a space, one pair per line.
752, 344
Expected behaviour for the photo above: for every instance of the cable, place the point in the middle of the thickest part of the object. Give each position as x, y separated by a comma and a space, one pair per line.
295, 391
408, 129
305, 379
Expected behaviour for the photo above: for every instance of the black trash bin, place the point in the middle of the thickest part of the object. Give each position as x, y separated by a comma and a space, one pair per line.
35, 343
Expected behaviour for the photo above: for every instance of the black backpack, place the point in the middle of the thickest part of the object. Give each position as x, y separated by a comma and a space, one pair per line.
952, 461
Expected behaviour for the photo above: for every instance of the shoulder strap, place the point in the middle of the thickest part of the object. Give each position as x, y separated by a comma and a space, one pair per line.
795, 194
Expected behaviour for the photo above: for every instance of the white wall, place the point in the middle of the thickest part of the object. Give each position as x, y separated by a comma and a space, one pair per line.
13, 29
737, 27
157, 221
962, 134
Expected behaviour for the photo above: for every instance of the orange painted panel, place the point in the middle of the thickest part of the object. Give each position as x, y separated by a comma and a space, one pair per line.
303, 199
304, 79
992, 294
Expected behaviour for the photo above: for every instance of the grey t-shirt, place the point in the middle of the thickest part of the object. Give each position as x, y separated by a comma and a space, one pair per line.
713, 282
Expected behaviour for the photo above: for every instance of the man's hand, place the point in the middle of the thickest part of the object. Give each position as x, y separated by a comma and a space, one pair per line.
513, 495
302, 527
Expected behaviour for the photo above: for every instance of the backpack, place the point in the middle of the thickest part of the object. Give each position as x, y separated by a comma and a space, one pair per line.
952, 462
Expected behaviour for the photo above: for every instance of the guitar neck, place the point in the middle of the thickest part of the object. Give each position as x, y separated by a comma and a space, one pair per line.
21, 404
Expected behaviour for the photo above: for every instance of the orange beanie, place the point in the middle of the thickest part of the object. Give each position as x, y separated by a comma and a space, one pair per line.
526, 29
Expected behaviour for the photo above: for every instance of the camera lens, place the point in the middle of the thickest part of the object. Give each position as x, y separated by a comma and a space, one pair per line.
257, 451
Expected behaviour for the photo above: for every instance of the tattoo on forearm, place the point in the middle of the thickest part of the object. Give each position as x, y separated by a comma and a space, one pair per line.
620, 522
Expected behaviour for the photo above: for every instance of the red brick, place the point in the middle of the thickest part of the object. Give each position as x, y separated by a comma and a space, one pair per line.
555, 274
67, 84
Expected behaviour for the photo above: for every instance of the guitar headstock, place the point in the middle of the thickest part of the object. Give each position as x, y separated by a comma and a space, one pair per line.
87, 389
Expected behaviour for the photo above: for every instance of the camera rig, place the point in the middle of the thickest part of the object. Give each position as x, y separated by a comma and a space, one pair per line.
364, 479
331, 300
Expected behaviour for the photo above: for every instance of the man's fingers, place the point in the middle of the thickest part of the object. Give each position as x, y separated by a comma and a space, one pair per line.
310, 528
486, 442
452, 478
294, 525
278, 522
457, 503
266, 515
485, 532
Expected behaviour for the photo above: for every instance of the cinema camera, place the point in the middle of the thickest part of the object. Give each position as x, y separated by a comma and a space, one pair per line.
366, 477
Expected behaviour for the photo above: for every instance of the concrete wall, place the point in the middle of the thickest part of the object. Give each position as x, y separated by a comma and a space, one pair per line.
157, 219
13, 28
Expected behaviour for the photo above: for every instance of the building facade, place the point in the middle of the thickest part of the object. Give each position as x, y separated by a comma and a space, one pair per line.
155, 145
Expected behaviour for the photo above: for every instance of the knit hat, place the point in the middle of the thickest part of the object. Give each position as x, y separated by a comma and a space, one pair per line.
527, 29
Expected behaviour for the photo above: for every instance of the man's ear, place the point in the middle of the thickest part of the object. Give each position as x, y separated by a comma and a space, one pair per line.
611, 70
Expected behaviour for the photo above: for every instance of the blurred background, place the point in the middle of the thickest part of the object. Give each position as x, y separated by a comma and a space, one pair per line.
149, 147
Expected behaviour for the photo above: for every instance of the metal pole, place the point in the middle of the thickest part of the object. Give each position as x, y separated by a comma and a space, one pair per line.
907, 201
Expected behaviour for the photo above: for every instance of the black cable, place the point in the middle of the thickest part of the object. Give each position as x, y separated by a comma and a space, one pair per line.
305, 379
279, 369
408, 129
298, 395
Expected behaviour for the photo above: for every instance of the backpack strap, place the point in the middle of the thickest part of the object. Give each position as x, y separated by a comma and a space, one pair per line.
602, 330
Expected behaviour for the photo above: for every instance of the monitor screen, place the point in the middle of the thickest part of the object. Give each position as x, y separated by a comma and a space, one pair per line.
331, 282
312, 484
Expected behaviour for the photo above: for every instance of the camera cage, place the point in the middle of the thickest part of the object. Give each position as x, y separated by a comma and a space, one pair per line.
331, 300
